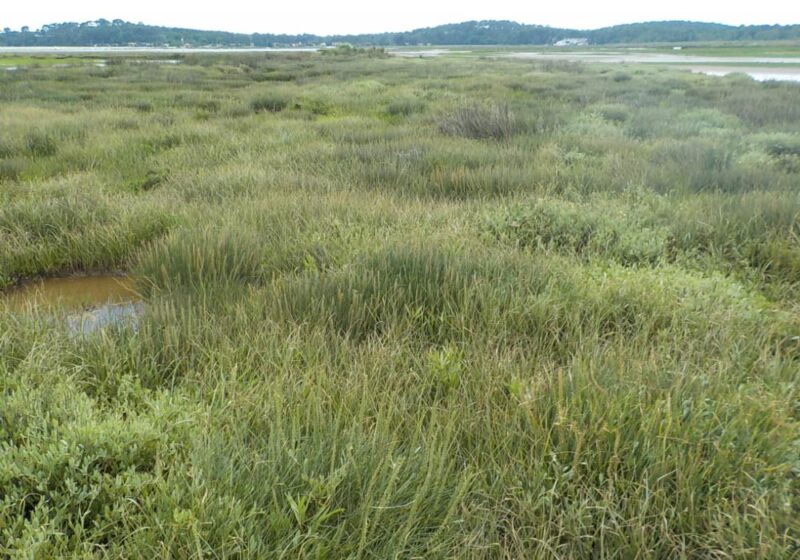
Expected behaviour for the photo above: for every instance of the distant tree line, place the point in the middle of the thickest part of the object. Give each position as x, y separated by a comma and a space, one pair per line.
117, 32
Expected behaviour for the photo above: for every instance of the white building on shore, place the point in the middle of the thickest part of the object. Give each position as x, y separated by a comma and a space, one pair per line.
576, 42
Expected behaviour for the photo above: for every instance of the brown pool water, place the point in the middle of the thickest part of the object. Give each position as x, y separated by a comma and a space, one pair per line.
90, 302
80, 292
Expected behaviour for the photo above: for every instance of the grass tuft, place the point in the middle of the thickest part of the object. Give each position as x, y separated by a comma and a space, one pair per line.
476, 121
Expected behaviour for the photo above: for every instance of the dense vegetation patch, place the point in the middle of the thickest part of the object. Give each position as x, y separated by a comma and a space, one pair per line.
402, 308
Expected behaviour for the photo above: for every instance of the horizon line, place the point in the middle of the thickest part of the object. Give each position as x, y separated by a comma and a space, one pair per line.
323, 35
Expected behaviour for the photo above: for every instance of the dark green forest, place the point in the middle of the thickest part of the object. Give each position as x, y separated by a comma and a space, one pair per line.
118, 32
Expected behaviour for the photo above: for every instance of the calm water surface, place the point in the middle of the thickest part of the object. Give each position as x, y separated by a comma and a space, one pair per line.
89, 302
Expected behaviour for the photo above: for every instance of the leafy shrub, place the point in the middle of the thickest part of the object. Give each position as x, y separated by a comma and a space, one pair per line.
74, 469
479, 121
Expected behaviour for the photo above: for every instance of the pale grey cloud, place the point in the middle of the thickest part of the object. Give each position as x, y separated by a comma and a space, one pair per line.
359, 16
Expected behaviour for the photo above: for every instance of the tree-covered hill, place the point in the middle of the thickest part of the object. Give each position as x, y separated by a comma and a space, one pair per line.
688, 31
118, 32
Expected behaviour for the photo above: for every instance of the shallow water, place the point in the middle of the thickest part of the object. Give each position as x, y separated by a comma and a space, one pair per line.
110, 314
777, 68
758, 75
426, 53
89, 302
149, 50
79, 292
656, 58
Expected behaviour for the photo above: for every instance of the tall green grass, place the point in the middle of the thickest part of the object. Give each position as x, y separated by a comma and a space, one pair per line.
402, 308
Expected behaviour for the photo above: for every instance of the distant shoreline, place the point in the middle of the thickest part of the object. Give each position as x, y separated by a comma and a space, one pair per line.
151, 50
474, 33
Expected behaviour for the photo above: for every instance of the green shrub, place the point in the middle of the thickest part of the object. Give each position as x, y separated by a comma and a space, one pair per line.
69, 471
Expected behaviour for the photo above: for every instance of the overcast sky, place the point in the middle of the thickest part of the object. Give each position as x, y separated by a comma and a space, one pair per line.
362, 16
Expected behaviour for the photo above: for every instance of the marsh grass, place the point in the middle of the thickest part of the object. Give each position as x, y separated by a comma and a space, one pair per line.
272, 103
402, 308
477, 121
11, 169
